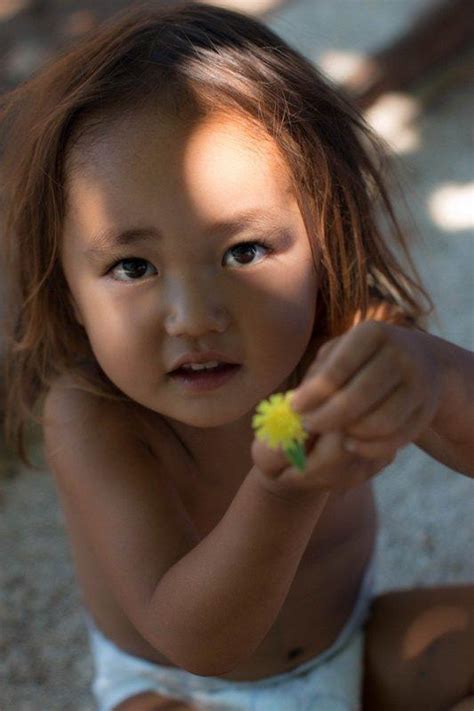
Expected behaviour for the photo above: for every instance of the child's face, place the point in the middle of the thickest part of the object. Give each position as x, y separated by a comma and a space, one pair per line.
190, 287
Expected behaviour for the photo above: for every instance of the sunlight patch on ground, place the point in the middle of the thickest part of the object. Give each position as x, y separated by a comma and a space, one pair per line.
252, 7
451, 206
393, 116
341, 66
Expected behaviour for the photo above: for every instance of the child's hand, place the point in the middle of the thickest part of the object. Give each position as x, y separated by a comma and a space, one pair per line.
376, 388
329, 466
368, 393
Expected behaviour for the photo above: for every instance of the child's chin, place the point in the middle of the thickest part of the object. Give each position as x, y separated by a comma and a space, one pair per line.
208, 421
206, 417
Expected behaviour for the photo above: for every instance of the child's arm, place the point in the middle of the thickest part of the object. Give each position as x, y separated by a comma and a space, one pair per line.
204, 602
382, 386
450, 437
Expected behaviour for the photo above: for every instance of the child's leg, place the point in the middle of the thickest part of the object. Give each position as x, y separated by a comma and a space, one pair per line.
420, 650
149, 701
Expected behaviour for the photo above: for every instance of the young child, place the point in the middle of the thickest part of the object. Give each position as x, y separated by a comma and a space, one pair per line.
193, 222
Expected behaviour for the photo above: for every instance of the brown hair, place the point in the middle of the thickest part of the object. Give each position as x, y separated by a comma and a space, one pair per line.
201, 57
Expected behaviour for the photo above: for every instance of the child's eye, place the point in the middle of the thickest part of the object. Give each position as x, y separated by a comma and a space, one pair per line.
245, 252
132, 267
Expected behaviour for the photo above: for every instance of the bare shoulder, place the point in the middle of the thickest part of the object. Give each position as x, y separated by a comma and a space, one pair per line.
66, 401
92, 443
72, 415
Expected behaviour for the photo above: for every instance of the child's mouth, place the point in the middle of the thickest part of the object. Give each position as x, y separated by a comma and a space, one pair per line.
205, 378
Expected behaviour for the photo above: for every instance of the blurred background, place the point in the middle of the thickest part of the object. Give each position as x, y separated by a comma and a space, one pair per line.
408, 64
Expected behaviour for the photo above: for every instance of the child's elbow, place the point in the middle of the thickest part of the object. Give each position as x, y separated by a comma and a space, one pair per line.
203, 650
199, 651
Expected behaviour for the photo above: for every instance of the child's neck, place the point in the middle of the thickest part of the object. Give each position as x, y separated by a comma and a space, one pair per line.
217, 449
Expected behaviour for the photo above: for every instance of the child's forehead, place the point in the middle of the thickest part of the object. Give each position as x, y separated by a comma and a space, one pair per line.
215, 154
155, 137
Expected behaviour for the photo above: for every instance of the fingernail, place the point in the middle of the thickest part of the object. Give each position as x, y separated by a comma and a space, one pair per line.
349, 444
297, 402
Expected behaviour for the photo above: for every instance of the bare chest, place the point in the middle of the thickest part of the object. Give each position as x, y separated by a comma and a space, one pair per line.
206, 501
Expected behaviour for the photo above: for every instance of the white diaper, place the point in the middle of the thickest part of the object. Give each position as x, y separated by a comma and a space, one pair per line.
329, 682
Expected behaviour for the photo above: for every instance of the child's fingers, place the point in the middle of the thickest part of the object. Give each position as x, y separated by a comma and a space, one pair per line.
331, 466
315, 365
332, 372
376, 459
385, 446
369, 387
325, 350
393, 415
270, 461
371, 450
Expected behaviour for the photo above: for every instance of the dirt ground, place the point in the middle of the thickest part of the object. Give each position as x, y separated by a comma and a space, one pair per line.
426, 510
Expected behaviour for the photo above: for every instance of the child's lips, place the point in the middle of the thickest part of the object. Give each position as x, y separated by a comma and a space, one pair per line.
200, 380
201, 357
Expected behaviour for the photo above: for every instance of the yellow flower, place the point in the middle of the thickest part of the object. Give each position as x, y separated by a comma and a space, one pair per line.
277, 424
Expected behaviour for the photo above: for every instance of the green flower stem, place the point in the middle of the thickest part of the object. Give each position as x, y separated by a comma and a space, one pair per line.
296, 454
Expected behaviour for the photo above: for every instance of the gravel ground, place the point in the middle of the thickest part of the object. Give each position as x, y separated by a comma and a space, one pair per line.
427, 525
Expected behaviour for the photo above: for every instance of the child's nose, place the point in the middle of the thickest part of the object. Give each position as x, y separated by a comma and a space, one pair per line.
193, 312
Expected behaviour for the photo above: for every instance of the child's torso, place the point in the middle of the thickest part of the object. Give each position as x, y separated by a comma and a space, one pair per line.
320, 599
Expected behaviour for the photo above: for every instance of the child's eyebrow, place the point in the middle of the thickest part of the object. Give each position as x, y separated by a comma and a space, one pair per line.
256, 218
